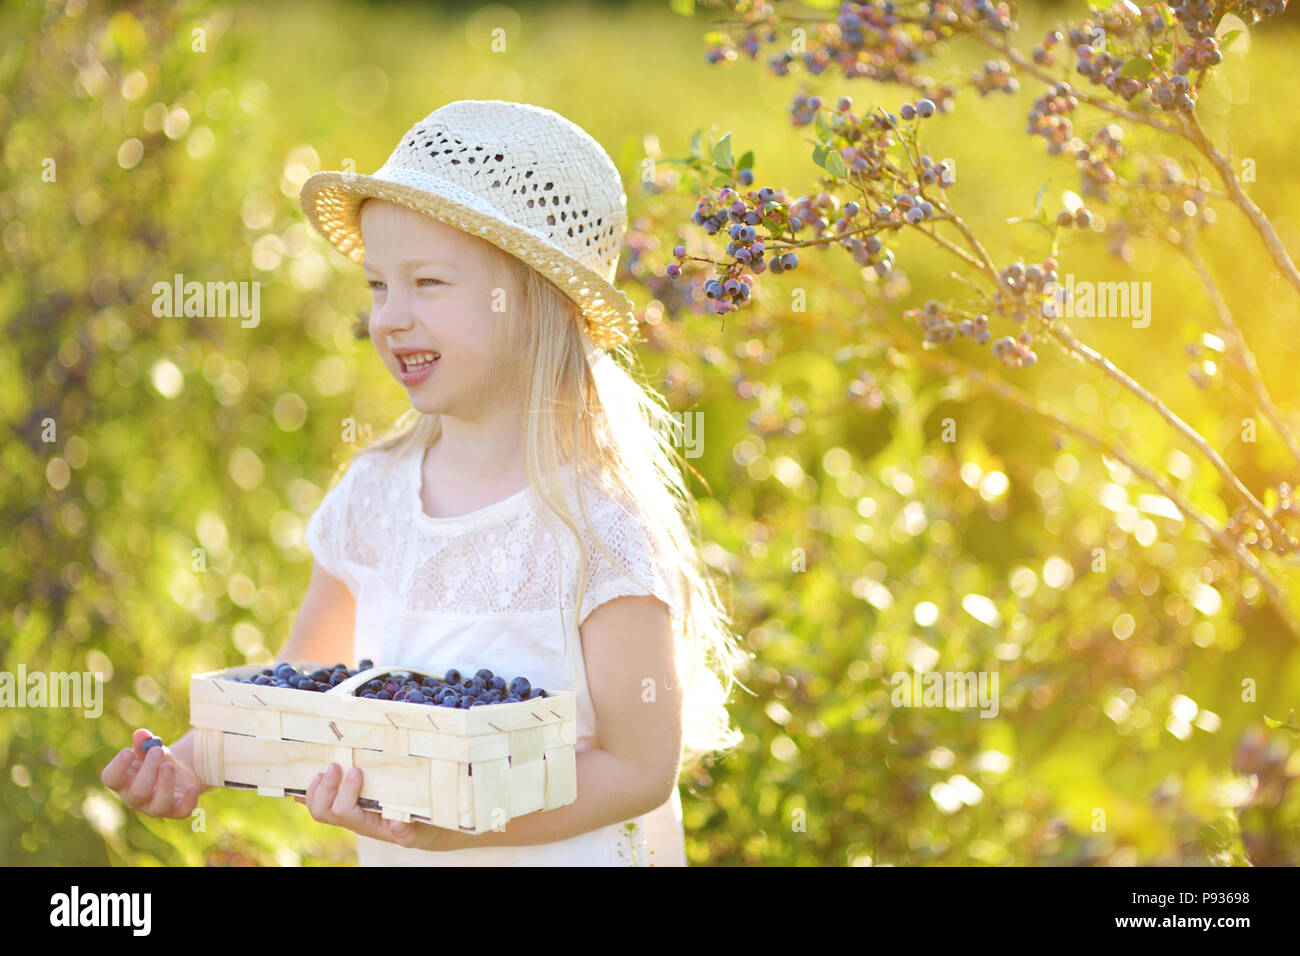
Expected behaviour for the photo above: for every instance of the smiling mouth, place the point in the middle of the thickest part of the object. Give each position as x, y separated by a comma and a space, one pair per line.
417, 361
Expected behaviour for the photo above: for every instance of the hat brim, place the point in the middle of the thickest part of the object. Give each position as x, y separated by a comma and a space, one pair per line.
332, 200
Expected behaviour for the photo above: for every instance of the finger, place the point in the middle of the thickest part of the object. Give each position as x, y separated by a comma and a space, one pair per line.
327, 791
189, 800
164, 793
314, 803
138, 738
141, 790
349, 791
113, 775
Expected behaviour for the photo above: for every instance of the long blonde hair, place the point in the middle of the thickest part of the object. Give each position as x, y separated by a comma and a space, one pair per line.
615, 430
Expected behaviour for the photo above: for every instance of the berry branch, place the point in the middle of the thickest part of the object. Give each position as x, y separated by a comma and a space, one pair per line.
1062, 334
1261, 222
1237, 342
957, 370
1156, 58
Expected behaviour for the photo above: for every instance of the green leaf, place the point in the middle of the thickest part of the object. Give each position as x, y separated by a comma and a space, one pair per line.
835, 166
819, 155
824, 132
1166, 14
1228, 40
1161, 55
747, 161
695, 144
722, 153
722, 179
685, 8
1038, 200
1135, 67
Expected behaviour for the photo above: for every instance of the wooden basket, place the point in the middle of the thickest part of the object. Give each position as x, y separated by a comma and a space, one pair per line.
469, 770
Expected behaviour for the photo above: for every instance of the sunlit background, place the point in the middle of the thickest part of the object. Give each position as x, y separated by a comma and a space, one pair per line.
850, 539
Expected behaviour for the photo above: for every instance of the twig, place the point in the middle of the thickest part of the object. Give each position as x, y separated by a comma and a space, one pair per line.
959, 370
1237, 341
1196, 135
1058, 330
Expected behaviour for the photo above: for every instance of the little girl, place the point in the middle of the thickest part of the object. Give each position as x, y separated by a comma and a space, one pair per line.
525, 515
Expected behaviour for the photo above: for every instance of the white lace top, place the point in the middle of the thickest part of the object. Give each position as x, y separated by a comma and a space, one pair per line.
483, 590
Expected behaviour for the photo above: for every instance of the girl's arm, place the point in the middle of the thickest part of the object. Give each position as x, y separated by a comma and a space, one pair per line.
629, 651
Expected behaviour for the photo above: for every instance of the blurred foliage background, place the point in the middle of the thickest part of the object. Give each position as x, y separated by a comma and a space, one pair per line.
135, 149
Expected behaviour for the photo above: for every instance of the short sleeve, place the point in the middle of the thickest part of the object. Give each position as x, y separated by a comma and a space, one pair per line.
328, 530
639, 569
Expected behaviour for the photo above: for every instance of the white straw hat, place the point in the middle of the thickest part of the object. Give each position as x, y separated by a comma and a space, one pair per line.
523, 178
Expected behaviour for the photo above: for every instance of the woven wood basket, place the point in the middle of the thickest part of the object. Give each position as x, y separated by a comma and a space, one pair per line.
470, 770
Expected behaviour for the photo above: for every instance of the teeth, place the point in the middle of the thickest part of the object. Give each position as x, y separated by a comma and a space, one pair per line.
419, 360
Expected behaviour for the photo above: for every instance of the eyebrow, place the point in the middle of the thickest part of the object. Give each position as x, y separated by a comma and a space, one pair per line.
415, 262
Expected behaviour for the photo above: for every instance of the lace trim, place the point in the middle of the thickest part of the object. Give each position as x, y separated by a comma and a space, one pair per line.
491, 561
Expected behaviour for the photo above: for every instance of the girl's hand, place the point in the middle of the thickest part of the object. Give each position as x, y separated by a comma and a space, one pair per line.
156, 783
332, 798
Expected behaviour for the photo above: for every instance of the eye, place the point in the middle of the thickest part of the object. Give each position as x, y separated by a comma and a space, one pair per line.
372, 283
439, 281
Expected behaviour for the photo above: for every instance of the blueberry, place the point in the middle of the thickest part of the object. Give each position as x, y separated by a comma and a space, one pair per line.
520, 686
152, 742
415, 697
925, 108
497, 683
485, 675
384, 695
535, 693
452, 676
267, 672
513, 699
320, 676
465, 702
337, 679
365, 664
370, 694
479, 703
391, 687
746, 177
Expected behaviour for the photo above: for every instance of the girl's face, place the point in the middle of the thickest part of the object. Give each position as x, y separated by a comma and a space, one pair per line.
431, 291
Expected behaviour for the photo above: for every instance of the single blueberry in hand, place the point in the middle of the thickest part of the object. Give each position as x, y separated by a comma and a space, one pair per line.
152, 742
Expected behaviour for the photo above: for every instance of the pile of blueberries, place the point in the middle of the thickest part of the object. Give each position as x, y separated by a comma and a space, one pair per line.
286, 675
451, 690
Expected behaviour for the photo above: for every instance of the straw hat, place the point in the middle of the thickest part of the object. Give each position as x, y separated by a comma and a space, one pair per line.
523, 178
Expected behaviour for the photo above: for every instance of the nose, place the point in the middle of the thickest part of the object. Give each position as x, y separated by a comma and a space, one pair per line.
391, 312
